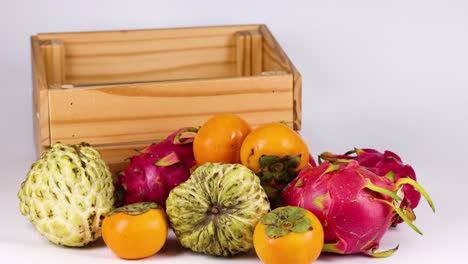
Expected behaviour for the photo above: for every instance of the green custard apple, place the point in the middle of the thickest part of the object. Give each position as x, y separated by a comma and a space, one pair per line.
67, 193
215, 211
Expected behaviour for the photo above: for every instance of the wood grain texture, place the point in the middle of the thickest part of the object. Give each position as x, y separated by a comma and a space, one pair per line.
297, 99
275, 59
247, 53
151, 60
53, 52
146, 34
150, 111
40, 98
240, 43
257, 52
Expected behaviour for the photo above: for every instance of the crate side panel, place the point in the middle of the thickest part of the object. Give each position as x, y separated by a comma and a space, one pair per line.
275, 59
297, 99
149, 55
141, 112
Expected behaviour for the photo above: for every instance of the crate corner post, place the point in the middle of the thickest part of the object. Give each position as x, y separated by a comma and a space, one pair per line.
40, 98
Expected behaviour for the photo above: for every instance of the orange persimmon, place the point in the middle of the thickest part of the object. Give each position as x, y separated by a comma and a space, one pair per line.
273, 139
276, 153
288, 235
220, 139
135, 231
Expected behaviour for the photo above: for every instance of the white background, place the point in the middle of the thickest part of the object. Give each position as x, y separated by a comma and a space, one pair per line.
382, 74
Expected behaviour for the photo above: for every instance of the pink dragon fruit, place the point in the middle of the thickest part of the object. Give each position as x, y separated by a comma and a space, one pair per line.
159, 168
386, 164
354, 205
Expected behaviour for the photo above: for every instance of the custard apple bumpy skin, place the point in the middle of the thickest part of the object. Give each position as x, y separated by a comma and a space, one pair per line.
67, 193
215, 211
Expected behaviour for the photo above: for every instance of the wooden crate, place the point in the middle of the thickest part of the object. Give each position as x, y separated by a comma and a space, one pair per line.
122, 90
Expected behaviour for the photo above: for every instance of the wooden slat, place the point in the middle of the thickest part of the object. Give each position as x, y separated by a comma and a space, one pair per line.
53, 52
40, 98
257, 52
247, 53
128, 47
95, 62
150, 111
146, 34
297, 99
169, 65
240, 46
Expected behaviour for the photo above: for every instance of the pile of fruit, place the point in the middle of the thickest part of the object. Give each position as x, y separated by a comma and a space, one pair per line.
223, 189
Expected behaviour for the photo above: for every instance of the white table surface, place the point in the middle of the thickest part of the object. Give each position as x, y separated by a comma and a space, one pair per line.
383, 74
443, 239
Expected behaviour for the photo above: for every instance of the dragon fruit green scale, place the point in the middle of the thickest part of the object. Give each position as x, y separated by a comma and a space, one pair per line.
67, 193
